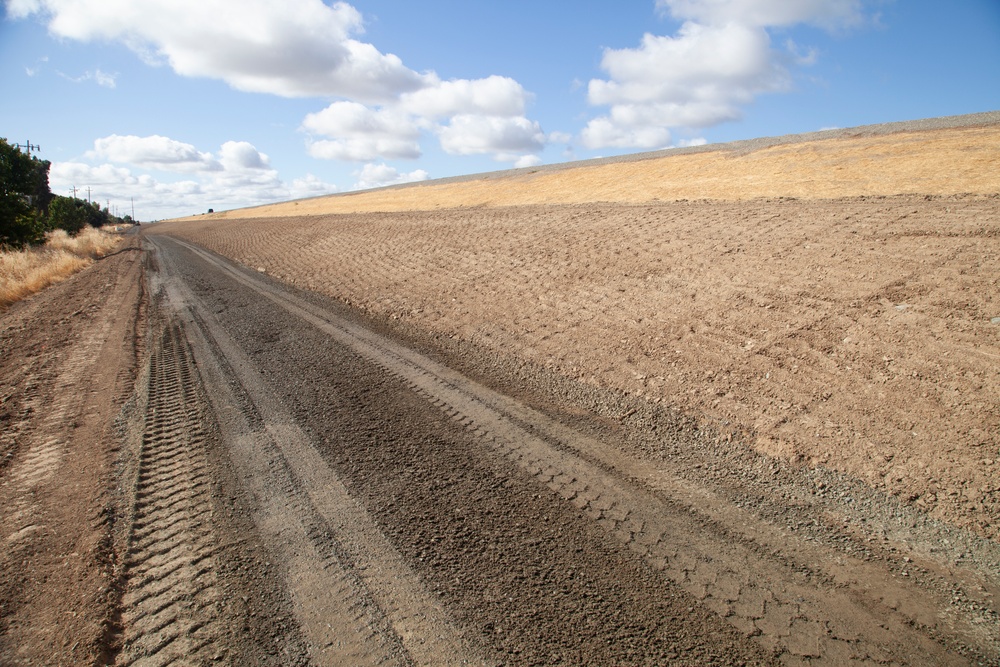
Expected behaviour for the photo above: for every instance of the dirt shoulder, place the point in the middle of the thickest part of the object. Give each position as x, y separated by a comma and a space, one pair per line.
67, 361
122, 526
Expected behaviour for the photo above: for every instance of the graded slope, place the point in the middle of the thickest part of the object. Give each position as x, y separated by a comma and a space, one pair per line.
841, 330
944, 156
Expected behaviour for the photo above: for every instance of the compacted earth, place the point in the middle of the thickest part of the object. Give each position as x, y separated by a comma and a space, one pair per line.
747, 427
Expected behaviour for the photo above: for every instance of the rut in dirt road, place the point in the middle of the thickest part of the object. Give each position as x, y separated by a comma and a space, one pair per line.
356, 601
799, 602
169, 611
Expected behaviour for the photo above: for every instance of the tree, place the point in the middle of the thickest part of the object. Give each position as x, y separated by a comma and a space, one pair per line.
24, 194
96, 217
42, 195
69, 213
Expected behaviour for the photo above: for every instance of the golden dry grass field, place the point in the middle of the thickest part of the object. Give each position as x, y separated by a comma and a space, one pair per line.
833, 301
24, 272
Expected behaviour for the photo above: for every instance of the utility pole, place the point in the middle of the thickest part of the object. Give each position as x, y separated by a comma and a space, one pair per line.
133, 209
74, 192
88, 194
28, 146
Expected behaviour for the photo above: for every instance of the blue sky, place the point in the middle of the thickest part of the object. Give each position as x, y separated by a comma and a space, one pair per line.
185, 105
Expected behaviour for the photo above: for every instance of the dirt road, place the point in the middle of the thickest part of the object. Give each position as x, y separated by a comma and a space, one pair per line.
290, 483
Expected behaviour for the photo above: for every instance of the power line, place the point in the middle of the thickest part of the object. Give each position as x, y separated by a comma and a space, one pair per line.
28, 146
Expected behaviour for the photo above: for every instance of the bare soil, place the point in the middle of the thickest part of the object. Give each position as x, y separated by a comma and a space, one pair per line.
854, 334
784, 289
528, 418
68, 357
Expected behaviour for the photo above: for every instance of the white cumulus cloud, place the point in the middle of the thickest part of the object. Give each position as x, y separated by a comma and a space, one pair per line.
604, 132
492, 96
120, 186
381, 175
296, 48
242, 156
469, 116
154, 152
292, 48
310, 186
701, 64
719, 60
766, 13
65, 175
103, 78
697, 141
361, 134
99, 77
236, 176
501, 136
527, 161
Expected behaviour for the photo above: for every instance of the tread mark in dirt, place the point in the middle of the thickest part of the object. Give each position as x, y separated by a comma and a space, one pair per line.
788, 614
169, 607
356, 600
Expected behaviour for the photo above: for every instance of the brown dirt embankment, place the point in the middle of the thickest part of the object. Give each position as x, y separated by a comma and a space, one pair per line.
839, 329
875, 160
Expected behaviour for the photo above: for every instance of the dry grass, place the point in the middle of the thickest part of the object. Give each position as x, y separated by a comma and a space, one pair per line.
24, 272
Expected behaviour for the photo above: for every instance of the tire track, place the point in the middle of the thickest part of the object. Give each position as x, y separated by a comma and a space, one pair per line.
766, 584
170, 605
356, 600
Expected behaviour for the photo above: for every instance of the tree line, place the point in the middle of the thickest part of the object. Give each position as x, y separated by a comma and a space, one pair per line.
29, 210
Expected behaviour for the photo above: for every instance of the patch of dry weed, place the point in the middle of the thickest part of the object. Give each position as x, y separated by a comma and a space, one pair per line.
24, 272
